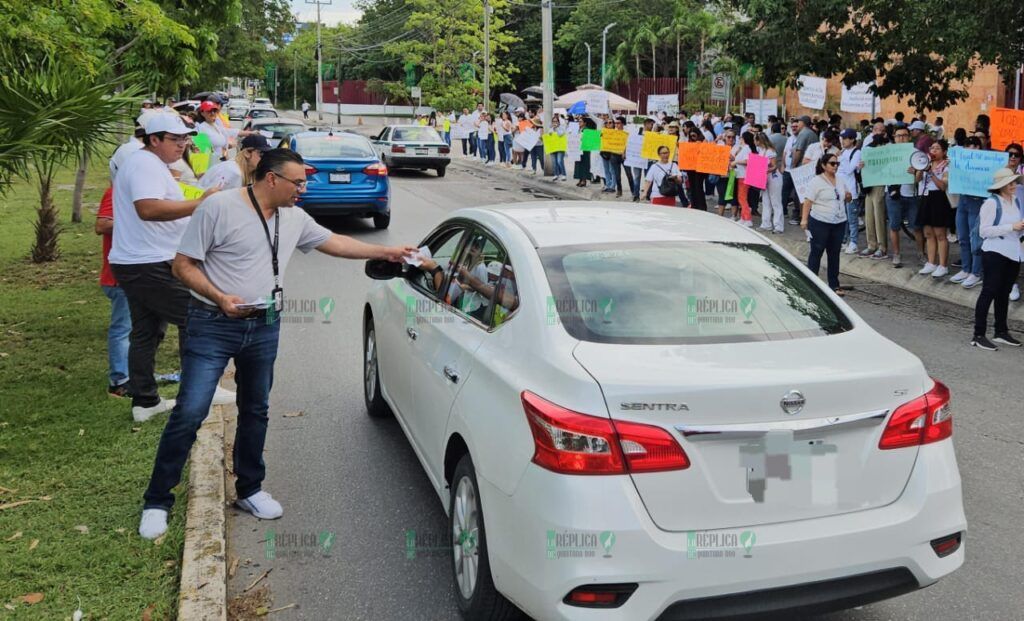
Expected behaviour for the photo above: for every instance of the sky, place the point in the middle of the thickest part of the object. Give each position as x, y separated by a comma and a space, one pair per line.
336, 12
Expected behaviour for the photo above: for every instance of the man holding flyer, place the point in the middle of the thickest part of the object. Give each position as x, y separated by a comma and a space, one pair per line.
232, 257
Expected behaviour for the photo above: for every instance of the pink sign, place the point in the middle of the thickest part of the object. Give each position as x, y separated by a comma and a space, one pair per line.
757, 171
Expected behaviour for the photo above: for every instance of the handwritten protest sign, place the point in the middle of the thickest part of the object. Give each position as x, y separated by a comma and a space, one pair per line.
662, 103
971, 170
689, 155
527, 139
200, 162
591, 140
191, 192
757, 171
573, 127
762, 109
553, 143
859, 99
1007, 127
202, 142
802, 177
714, 159
812, 92
634, 146
613, 140
886, 165
597, 102
573, 153
653, 141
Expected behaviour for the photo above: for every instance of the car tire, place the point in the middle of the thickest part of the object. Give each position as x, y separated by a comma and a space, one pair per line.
441, 171
376, 406
382, 220
478, 599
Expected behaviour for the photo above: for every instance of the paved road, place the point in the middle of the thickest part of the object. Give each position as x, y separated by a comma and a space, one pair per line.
335, 470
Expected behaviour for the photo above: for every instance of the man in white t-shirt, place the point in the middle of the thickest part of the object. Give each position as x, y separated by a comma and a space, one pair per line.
151, 214
121, 154
305, 109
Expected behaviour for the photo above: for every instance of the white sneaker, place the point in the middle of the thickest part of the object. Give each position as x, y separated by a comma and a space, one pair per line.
261, 505
851, 249
223, 396
927, 269
960, 277
1015, 293
940, 271
141, 414
970, 281
951, 238
153, 523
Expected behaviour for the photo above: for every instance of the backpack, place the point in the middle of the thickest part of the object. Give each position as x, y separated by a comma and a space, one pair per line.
668, 185
999, 211
856, 173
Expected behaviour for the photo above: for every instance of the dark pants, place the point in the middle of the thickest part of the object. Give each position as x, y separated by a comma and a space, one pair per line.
787, 193
723, 184
536, 157
213, 340
155, 299
615, 166
305, 114
474, 141
697, 198
825, 238
465, 145
1000, 274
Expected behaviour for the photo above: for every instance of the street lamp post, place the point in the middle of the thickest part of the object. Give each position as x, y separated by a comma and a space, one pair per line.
487, 56
319, 60
604, 50
588, 63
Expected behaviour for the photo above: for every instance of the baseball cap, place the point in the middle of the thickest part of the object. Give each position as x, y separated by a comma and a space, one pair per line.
848, 134
167, 122
255, 141
918, 125
206, 106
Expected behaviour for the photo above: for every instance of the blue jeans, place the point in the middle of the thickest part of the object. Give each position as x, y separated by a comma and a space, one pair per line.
609, 174
852, 221
899, 208
117, 334
536, 156
447, 136
967, 228
559, 161
213, 339
506, 143
637, 174
825, 239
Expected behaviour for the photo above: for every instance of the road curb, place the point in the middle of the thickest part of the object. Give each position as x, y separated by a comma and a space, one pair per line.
878, 271
203, 588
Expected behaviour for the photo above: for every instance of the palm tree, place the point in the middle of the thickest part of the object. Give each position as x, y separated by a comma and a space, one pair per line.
51, 114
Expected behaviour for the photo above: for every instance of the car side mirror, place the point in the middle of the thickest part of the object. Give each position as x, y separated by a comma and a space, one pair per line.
381, 269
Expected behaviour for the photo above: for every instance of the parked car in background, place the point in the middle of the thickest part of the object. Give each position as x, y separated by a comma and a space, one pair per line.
237, 109
262, 101
258, 113
344, 177
275, 128
413, 146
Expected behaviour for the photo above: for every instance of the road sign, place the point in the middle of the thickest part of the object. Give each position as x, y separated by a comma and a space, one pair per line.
719, 86
416, 92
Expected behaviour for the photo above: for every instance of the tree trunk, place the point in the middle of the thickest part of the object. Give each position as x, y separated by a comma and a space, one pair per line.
637, 64
702, 54
677, 57
76, 198
654, 63
47, 228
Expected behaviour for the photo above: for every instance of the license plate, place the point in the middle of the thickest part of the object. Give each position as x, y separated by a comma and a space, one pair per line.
422, 151
338, 177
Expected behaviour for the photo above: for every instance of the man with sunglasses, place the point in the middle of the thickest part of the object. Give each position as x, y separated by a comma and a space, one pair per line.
151, 214
901, 204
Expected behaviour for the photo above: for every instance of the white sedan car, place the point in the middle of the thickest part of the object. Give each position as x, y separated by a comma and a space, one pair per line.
650, 413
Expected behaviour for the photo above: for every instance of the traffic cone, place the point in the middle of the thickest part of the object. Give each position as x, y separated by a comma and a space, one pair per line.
359, 121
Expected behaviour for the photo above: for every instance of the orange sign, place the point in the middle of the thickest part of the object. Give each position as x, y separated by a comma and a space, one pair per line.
713, 159
689, 155
524, 125
1007, 127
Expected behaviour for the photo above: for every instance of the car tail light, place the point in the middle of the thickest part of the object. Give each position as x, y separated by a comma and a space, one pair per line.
944, 546
923, 420
310, 170
572, 443
397, 148
376, 170
600, 595
444, 150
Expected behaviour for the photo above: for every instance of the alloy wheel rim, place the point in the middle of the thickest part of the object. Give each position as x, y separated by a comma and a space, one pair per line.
465, 537
371, 364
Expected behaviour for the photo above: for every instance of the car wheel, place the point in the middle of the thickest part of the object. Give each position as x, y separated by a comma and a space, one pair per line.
382, 221
441, 171
376, 407
475, 593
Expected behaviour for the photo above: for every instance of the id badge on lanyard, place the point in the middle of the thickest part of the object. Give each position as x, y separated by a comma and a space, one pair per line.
276, 294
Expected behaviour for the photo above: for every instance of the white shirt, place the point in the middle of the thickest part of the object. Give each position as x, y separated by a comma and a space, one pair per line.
121, 155
787, 153
187, 175
657, 172
741, 152
144, 176
228, 174
218, 135
305, 106
484, 130
826, 200
999, 237
849, 160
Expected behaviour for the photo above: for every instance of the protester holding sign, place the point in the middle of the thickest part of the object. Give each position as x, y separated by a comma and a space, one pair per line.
901, 200
740, 152
772, 216
935, 214
697, 198
727, 139
968, 211
874, 210
660, 176
558, 155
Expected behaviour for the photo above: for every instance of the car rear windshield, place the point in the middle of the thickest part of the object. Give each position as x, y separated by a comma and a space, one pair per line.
685, 293
415, 134
333, 147
278, 128
257, 113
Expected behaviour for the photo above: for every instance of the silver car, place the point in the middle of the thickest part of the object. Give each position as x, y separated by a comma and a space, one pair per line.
412, 146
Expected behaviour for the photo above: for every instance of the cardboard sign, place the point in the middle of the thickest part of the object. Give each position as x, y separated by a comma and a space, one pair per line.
971, 170
652, 142
191, 192
573, 127
762, 109
714, 159
527, 139
689, 155
1007, 127
591, 140
200, 162
757, 171
614, 140
662, 103
859, 99
886, 165
202, 142
634, 147
553, 143
812, 92
597, 102
802, 177
573, 153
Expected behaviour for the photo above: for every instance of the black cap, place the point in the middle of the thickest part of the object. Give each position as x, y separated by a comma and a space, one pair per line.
255, 141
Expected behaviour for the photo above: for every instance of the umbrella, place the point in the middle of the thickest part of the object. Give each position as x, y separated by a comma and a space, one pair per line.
614, 101
534, 90
580, 107
512, 101
211, 96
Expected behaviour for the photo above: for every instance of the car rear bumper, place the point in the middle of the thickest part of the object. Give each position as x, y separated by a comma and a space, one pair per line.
411, 161
357, 206
670, 569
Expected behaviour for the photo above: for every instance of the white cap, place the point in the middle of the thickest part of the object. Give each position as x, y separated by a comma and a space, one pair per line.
166, 122
918, 125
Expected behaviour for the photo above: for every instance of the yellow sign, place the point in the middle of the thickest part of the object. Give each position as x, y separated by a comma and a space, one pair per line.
653, 142
200, 162
553, 143
190, 191
614, 140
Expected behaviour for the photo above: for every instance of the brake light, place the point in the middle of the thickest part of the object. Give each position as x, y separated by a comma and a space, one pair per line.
923, 420
310, 170
572, 443
944, 546
600, 595
444, 150
397, 148
376, 170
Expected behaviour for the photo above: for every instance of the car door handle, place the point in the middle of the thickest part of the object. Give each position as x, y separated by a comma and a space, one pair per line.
451, 374
412, 333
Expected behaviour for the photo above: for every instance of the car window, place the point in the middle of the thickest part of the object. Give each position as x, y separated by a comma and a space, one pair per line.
506, 296
337, 146
258, 113
442, 248
471, 285
416, 134
685, 293
278, 128
384, 134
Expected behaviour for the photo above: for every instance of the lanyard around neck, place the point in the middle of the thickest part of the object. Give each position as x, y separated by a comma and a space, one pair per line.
266, 230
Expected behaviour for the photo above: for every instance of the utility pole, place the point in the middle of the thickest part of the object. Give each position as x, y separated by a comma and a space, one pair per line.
604, 51
548, 57
319, 60
337, 80
588, 63
295, 80
276, 82
487, 55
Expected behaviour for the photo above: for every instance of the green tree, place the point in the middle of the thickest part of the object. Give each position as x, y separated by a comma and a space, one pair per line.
243, 51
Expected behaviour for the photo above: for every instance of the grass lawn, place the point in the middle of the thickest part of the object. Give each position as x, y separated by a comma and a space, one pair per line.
65, 446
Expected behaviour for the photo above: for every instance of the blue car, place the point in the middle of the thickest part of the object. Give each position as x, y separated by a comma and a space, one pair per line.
344, 177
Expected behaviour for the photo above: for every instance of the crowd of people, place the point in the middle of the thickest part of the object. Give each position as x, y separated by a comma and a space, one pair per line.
838, 214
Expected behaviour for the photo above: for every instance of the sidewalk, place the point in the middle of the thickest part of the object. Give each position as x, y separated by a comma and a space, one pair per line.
793, 240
